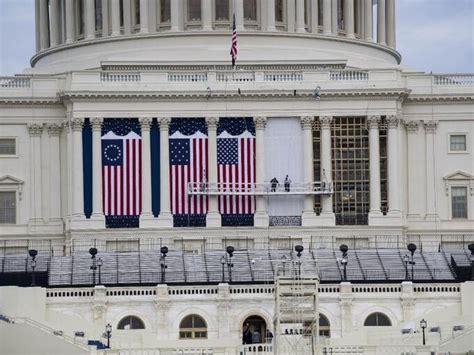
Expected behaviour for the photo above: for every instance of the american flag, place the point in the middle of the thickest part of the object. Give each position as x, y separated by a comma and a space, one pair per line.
188, 163
236, 171
233, 46
121, 174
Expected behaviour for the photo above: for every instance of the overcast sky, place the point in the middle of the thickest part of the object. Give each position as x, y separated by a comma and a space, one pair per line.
432, 35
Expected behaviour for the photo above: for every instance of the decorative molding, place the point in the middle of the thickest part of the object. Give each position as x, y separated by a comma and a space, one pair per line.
35, 129
431, 126
325, 122
212, 122
307, 122
145, 123
77, 123
373, 122
8, 181
96, 123
412, 126
260, 122
54, 129
392, 121
164, 123
459, 178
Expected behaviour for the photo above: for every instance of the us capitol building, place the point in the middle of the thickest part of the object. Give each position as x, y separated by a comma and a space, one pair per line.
315, 198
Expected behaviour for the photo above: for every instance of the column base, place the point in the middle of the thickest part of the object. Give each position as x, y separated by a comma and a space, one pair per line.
37, 225
81, 222
309, 219
414, 217
148, 220
431, 217
261, 219
392, 218
376, 218
326, 219
213, 219
165, 220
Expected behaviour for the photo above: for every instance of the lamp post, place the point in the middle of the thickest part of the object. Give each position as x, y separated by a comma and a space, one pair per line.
299, 249
411, 248
471, 248
93, 253
406, 259
230, 250
284, 259
100, 262
344, 248
223, 262
423, 325
164, 251
33, 253
108, 334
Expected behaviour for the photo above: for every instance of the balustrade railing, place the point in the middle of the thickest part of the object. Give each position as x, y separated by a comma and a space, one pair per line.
313, 188
454, 79
283, 77
14, 82
120, 77
187, 77
235, 76
351, 75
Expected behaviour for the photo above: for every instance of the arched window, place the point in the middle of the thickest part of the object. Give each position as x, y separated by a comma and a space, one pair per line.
255, 331
192, 327
131, 322
324, 326
377, 319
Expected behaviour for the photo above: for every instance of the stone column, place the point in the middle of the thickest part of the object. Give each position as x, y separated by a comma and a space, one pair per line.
144, 17
97, 204
381, 39
327, 214
431, 211
127, 17
314, 16
407, 299
89, 19
206, 15
309, 216
165, 219
177, 20
368, 20
35, 131
261, 215
115, 17
271, 15
105, 18
300, 25
327, 17
239, 14
374, 166
37, 25
213, 218
77, 176
70, 33
290, 15
392, 157
415, 170
390, 20
146, 218
334, 19
54, 131
44, 24
345, 302
349, 18
54, 22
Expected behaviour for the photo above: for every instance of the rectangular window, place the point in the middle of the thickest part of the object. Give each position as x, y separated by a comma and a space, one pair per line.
250, 10
7, 207
165, 13
279, 10
457, 143
459, 202
222, 10
98, 15
7, 146
194, 10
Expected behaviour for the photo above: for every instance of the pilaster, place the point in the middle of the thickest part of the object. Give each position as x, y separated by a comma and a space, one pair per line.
54, 132
77, 173
375, 213
261, 218
35, 131
213, 218
97, 219
415, 170
393, 172
407, 300
345, 302
223, 310
309, 216
165, 218
431, 210
162, 306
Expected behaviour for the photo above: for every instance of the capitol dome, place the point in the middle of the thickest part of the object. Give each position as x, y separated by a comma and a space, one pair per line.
74, 35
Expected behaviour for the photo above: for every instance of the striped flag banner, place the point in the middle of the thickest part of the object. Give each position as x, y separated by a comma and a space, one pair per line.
233, 45
121, 174
236, 171
188, 164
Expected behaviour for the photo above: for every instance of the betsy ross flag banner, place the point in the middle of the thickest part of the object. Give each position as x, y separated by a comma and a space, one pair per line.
233, 46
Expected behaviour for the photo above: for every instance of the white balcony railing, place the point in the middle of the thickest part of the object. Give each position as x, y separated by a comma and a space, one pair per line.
454, 80
351, 75
187, 77
120, 77
257, 349
239, 189
235, 76
283, 77
14, 82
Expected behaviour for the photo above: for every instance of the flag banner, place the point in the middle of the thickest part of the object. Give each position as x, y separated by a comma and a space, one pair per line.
282, 160
233, 44
121, 173
188, 147
236, 169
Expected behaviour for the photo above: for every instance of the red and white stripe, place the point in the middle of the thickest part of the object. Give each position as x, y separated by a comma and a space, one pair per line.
238, 177
181, 175
122, 185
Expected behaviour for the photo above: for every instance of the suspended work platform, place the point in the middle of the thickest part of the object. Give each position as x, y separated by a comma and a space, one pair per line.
252, 189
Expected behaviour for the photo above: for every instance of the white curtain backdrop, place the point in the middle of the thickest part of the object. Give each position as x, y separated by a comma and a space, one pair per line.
284, 156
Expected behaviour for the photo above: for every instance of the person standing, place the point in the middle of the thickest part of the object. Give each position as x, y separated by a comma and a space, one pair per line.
287, 183
274, 183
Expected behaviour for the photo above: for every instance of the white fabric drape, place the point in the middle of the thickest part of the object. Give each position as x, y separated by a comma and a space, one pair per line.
284, 156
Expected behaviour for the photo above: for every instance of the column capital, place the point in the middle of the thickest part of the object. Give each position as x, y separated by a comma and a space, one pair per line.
307, 122
431, 126
77, 123
54, 129
373, 122
212, 122
145, 123
96, 123
35, 129
325, 122
412, 126
392, 121
260, 122
164, 123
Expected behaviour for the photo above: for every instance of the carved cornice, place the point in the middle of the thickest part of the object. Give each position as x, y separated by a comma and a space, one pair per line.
77, 123
212, 122
412, 126
428, 99
307, 122
325, 122
145, 123
373, 122
260, 122
54, 129
35, 129
164, 123
96, 123
431, 126
392, 121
